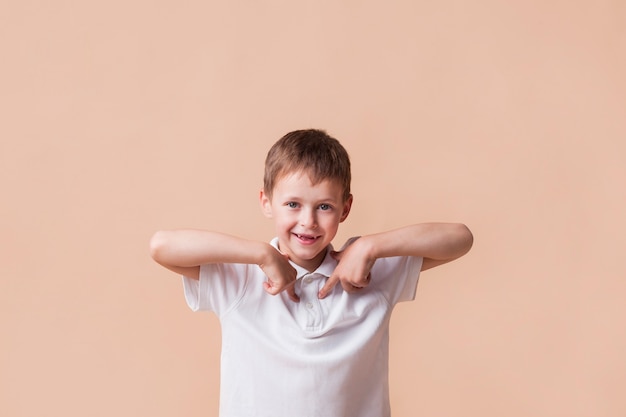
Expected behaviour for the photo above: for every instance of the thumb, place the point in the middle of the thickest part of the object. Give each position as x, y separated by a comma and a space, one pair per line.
327, 288
269, 288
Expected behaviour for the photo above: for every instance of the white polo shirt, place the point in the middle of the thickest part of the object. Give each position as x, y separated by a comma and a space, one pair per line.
315, 358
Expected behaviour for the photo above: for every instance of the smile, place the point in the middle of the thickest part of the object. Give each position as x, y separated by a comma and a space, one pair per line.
306, 238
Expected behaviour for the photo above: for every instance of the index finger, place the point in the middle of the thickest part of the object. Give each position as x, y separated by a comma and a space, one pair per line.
291, 292
327, 288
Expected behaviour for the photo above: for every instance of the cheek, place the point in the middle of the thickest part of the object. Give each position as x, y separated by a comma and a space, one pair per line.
283, 220
330, 221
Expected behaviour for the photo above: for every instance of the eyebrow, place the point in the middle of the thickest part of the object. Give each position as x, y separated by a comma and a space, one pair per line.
323, 200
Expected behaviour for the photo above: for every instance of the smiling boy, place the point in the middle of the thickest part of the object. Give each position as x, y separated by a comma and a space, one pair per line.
294, 342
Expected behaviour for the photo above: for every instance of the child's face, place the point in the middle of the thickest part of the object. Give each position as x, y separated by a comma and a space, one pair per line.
306, 216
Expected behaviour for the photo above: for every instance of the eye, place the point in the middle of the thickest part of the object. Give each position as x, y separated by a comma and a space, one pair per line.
325, 207
292, 204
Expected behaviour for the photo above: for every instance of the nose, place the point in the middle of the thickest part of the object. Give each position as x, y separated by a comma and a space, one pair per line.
307, 219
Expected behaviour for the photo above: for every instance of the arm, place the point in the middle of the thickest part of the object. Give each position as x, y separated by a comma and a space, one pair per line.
437, 243
183, 251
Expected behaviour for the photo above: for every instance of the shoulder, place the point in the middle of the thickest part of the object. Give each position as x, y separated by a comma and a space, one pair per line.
396, 277
396, 265
222, 286
229, 277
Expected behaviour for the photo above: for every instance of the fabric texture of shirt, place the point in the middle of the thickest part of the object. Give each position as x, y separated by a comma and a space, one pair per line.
315, 358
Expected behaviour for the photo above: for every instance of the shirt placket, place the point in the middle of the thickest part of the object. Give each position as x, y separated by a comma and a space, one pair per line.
309, 290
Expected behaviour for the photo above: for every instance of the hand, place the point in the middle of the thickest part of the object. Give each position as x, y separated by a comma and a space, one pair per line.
281, 276
352, 271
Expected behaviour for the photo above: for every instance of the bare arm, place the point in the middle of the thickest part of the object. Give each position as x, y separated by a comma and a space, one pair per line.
183, 251
437, 243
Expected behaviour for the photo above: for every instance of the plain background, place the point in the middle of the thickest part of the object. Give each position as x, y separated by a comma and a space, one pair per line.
119, 118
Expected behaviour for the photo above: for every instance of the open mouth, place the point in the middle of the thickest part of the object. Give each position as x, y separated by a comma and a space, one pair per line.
306, 238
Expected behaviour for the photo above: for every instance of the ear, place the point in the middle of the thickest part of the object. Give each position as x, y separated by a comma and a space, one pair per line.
266, 204
346, 208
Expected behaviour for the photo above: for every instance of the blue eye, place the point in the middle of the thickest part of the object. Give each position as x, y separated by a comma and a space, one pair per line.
291, 204
325, 207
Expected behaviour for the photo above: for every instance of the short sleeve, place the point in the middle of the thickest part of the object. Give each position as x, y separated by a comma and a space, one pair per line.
397, 277
218, 288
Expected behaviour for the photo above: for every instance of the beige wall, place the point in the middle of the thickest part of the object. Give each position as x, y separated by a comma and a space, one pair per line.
119, 118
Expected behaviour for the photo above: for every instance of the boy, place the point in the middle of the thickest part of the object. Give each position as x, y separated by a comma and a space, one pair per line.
294, 343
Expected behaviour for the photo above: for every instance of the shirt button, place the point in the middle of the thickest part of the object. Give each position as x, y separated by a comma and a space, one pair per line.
308, 280
309, 305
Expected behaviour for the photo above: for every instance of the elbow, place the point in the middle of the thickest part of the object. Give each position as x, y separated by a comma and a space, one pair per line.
158, 245
465, 238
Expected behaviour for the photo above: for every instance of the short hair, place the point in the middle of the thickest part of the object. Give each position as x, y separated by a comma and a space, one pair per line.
311, 151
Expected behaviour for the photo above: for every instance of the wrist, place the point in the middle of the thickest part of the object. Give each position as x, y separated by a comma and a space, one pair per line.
367, 247
264, 254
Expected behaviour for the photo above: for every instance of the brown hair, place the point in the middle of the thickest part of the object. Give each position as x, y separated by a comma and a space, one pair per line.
312, 151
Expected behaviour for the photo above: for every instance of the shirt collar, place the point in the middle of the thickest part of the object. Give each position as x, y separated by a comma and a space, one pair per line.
326, 268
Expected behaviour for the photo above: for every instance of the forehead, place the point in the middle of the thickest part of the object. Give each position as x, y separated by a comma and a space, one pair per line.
299, 184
